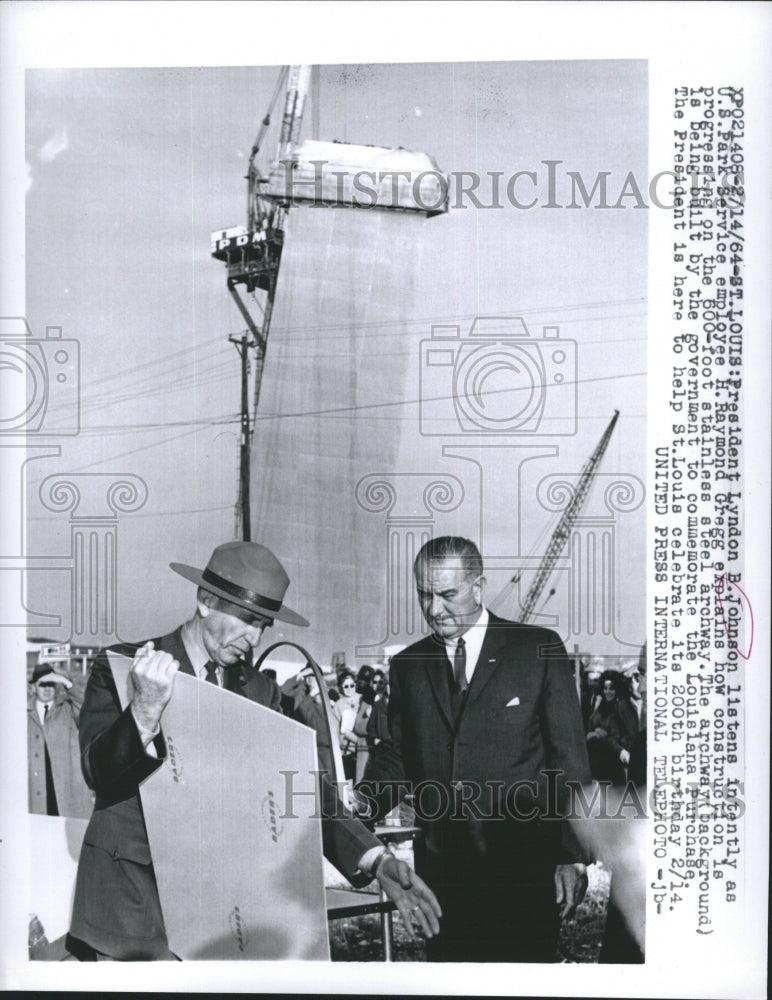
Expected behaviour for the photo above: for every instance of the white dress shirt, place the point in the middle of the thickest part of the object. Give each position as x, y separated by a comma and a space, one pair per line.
473, 640
199, 659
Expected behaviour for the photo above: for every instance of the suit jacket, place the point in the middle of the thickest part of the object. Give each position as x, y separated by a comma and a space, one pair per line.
521, 718
116, 909
311, 713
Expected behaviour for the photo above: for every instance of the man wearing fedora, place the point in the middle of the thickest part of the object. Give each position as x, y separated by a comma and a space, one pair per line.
116, 909
56, 785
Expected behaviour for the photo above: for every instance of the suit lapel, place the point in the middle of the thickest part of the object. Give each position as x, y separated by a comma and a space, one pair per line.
490, 657
174, 645
233, 677
435, 664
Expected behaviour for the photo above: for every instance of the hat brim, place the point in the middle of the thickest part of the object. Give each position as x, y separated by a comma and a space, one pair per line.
284, 614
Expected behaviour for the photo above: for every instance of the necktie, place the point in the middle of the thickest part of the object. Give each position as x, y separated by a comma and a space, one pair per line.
459, 666
211, 674
45, 712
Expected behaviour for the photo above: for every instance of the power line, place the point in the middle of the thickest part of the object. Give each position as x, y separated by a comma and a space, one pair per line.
225, 372
290, 332
296, 334
124, 428
124, 454
414, 402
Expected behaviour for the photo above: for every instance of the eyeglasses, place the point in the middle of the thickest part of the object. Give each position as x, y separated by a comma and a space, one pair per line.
347, 687
46, 684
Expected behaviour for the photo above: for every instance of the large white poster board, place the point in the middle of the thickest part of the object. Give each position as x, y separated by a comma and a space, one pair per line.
239, 868
55, 843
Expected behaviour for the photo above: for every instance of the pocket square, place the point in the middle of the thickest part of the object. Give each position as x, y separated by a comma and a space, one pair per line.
514, 701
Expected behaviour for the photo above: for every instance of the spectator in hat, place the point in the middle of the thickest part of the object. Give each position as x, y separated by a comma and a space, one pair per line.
116, 910
56, 786
378, 723
364, 684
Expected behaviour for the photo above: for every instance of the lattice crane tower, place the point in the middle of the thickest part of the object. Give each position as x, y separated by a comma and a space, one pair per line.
562, 532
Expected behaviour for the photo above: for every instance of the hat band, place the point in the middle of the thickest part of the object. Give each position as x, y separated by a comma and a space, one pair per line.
240, 592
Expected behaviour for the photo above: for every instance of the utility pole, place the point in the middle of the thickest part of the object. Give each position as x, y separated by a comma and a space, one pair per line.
243, 343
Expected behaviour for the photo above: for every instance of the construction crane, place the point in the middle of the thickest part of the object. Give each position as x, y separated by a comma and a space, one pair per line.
310, 172
560, 535
252, 255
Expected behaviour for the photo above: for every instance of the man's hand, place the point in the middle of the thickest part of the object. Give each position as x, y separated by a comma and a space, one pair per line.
570, 887
414, 899
152, 677
624, 756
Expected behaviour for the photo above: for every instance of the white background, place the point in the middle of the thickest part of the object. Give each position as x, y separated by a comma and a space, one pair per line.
684, 43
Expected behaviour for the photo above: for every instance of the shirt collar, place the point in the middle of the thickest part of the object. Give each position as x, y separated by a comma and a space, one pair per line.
198, 657
473, 639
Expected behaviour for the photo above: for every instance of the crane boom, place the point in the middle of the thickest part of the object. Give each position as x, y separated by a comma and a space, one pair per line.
294, 106
565, 525
252, 255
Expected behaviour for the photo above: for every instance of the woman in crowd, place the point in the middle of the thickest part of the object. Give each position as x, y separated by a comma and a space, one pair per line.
613, 727
345, 711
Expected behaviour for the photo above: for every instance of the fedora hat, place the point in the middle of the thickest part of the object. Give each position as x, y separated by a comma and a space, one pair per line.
248, 575
42, 670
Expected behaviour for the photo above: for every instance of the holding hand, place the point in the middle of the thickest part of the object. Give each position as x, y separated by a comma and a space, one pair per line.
414, 899
152, 678
570, 887
54, 678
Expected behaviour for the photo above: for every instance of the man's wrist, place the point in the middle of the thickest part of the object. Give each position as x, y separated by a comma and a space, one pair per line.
146, 732
372, 861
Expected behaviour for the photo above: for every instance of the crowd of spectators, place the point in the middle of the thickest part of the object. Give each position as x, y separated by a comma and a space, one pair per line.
358, 721
611, 729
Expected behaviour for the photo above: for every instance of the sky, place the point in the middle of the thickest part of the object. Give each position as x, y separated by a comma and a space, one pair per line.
128, 172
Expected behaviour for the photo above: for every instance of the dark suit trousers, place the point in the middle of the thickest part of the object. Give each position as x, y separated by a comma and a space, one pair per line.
497, 891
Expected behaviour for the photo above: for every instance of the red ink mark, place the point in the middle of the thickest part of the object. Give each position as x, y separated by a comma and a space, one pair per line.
724, 581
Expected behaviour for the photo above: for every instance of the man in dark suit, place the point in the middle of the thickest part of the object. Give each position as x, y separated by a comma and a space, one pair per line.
116, 910
484, 717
